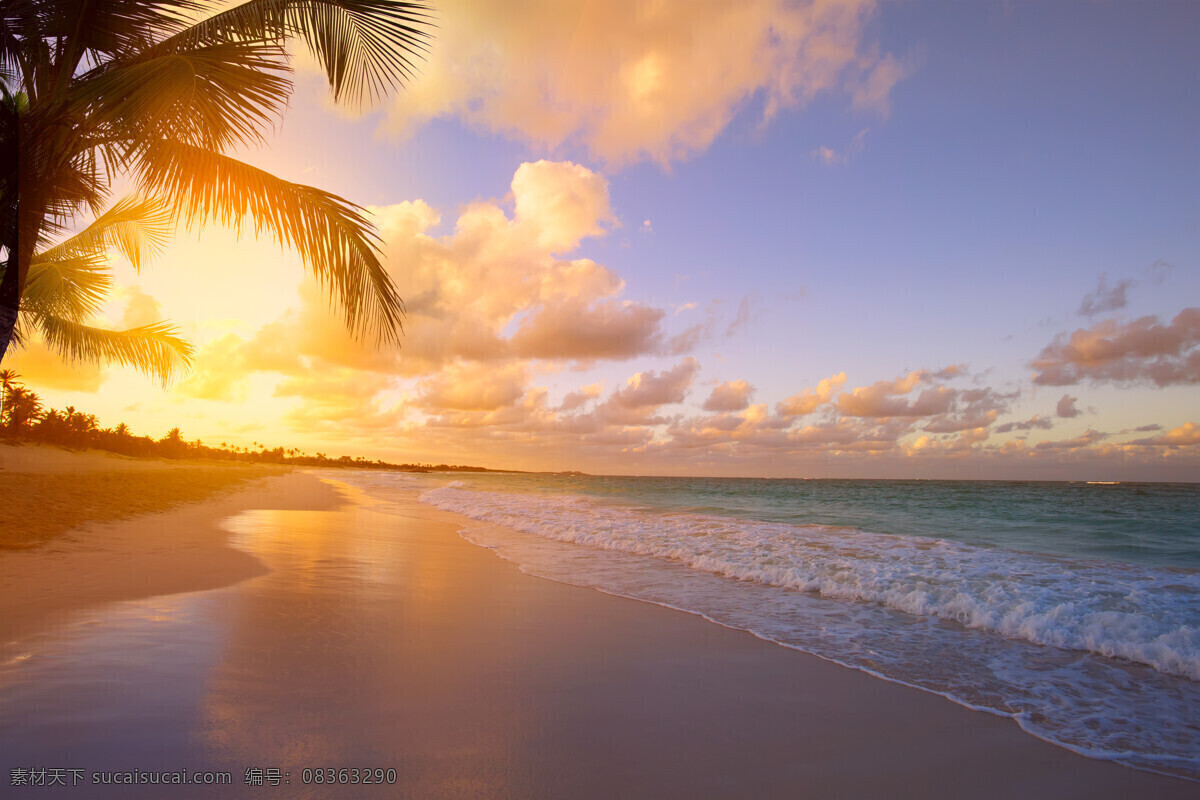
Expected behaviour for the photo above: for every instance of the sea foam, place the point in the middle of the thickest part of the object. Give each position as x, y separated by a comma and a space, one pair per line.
1139, 614
1101, 658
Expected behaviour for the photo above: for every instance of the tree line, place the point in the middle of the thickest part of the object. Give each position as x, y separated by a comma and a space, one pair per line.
24, 418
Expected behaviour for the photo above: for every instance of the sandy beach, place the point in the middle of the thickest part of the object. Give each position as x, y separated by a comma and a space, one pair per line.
298, 625
80, 529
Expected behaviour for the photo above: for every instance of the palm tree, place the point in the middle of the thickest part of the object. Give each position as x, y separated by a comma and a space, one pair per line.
23, 407
69, 282
8, 379
91, 90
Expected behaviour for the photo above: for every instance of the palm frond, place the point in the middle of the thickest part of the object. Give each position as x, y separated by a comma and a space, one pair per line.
139, 227
215, 96
110, 26
153, 349
74, 287
366, 47
60, 173
331, 235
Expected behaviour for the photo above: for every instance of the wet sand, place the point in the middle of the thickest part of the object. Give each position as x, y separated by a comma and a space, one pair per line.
378, 638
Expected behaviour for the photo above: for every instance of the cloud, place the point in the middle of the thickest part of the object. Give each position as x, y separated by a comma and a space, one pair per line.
652, 389
39, 367
1034, 422
575, 400
873, 91
832, 158
496, 289
630, 80
1066, 407
340, 402
1106, 298
1138, 351
1186, 435
945, 409
745, 313
218, 371
1086, 440
843, 434
473, 387
140, 308
886, 398
563, 202
971, 409
949, 423
606, 329
1157, 272
729, 396
809, 400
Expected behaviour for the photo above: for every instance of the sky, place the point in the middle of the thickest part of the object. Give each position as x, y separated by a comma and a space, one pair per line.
771, 238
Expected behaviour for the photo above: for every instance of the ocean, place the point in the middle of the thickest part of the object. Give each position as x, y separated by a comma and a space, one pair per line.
1073, 608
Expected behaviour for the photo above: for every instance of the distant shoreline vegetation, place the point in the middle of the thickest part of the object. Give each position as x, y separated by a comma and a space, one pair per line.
23, 418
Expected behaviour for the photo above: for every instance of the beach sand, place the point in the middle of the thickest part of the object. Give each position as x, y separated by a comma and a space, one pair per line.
68, 540
372, 635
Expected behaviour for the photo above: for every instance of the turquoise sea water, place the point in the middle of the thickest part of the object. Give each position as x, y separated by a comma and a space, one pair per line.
1141, 523
1073, 608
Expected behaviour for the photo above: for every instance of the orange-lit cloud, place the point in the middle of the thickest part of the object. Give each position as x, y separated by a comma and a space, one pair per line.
38, 367
651, 389
1140, 351
729, 396
886, 399
340, 401
473, 387
217, 371
604, 329
563, 202
140, 308
1186, 435
496, 289
581, 397
808, 400
632, 80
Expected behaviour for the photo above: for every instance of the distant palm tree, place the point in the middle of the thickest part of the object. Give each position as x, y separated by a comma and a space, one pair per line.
173, 445
24, 407
8, 379
91, 90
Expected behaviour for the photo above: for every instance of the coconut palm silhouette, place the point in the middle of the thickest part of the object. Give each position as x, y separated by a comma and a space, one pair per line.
162, 92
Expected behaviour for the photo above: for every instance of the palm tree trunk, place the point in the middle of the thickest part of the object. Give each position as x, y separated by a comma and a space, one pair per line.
12, 287
10, 303
20, 253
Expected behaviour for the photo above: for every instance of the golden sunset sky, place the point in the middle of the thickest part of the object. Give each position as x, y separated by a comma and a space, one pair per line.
806, 239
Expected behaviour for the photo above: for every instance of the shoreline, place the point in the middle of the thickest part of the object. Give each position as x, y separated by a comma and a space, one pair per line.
474, 678
896, 703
